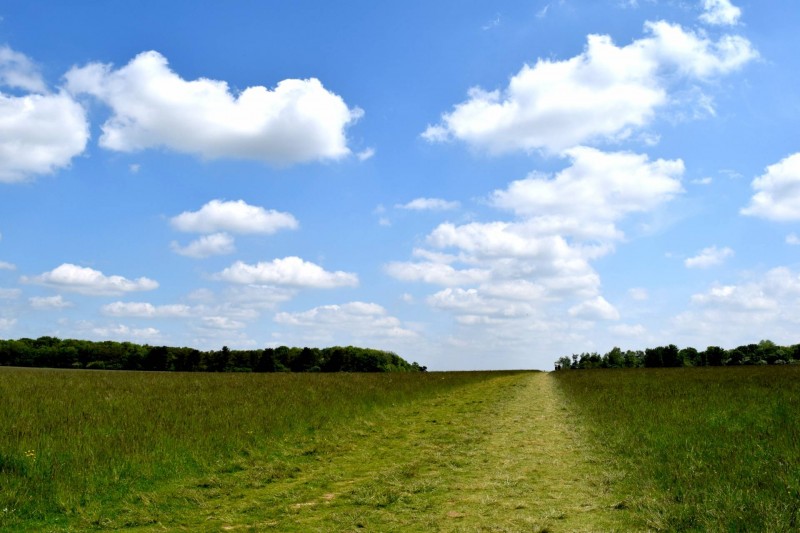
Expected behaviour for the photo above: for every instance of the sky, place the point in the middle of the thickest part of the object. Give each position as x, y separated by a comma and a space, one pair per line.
472, 185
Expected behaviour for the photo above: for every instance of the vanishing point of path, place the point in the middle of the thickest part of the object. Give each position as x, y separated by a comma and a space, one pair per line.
500, 455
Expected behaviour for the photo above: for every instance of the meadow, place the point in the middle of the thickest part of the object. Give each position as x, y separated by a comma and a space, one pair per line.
76, 444
692, 449
703, 449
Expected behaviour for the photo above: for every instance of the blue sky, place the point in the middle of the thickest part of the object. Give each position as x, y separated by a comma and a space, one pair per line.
473, 185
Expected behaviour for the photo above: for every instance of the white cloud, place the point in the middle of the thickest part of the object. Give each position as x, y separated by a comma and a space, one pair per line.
297, 121
49, 302
429, 204
19, 72
7, 323
146, 310
222, 322
792, 239
594, 192
9, 294
289, 271
89, 281
595, 309
777, 194
233, 217
351, 322
708, 257
762, 307
436, 273
206, 246
39, 134
122, 332
7, 266
720, 13
600, 94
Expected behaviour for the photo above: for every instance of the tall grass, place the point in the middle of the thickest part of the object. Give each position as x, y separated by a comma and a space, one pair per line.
706, 449
71, 440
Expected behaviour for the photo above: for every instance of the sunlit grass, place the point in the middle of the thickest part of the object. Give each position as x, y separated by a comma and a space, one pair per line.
73, 441
707, 449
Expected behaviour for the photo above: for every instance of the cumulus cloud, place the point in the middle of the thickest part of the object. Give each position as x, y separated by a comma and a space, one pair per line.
222, 322
39, 134
146, 310
206, 246
595, 191
537, 267
720, 13
19, 72
429, 204
289, 271
233, 217
89, 281
7, 323
777, 194
346, 323
152, 106
763, 306
708, 257
628, 330
603, 93
49, 302
7, 266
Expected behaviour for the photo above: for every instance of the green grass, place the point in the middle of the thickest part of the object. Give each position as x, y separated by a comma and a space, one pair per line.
75, 445
705, 449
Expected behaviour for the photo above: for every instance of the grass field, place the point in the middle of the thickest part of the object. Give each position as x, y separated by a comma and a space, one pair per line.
705, 449
711, 449
75, 445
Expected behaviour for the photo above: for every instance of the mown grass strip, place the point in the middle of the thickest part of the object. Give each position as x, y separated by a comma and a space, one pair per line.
496, 455
706, 449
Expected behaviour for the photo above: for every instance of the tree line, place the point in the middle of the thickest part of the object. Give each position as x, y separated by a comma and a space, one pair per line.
52, 352
765, 352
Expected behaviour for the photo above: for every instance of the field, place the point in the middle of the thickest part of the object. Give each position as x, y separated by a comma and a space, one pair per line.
704, 449
632, 450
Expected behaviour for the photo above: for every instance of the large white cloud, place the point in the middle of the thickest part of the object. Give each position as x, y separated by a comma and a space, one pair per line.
233, 217
89, 281
40, 132
594, 192
289, 271
720, 13
152, 106
777, 194
600, 94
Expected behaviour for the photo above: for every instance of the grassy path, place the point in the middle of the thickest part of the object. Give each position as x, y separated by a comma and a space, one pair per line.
500, 455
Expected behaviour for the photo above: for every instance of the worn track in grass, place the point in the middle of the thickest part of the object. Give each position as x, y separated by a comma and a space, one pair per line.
500, 455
